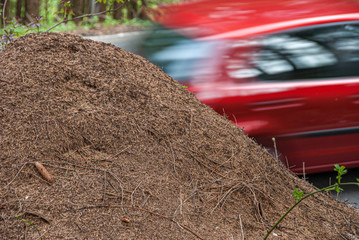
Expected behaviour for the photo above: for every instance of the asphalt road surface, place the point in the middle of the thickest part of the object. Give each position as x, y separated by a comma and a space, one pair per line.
350, 193
130, 41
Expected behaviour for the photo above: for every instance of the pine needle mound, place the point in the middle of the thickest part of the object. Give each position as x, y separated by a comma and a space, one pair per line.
134, 155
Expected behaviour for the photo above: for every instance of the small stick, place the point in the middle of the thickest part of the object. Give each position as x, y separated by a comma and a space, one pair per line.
104, 189
275, 149
46, 219
46, 175
133, 192
16, 174
240, 223
18, 201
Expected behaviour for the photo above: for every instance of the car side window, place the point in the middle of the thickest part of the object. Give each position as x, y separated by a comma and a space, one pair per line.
179, 56
322, 52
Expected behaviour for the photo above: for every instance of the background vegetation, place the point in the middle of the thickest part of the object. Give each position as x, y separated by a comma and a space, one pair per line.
43, 14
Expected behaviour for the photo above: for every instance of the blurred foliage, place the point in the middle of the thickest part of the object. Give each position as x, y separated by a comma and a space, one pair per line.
19, 14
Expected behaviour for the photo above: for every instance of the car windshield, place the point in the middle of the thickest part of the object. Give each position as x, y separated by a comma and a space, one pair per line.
177, 55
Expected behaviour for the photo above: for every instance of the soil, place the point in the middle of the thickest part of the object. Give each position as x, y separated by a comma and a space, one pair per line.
135, 156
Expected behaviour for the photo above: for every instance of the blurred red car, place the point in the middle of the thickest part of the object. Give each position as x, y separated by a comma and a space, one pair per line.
283, 69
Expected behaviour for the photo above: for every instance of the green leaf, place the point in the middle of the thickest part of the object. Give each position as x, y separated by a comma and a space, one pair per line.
341, 171
297, 194
357, 179
336, 167
337, 188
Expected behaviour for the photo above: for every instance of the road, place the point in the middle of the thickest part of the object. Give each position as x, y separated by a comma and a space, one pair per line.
350, 193
130, 41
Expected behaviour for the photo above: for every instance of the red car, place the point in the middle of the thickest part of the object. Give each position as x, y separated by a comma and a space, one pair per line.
283, 69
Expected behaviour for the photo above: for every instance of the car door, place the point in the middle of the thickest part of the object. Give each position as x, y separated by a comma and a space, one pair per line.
300, 87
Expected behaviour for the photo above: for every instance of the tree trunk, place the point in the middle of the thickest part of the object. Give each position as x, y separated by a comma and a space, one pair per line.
118, 13
32, 8
18, 14
6, 11
102, 17
78, 8
142, 11
132, 9
87, 7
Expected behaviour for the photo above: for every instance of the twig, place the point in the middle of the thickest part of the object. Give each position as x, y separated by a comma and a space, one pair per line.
46, 219
18, 201
121, 151
17, 174
22, 77
256, 203
86, 15
113, 194
145, 201
195, 191
173, 157
144, 210
78, 226
216, 168
219, 164
119, 182
275, 149
211, 160
227, 194
240, 223
203, 164
111, 186
304, 171
78, 175
104, 189
133, 192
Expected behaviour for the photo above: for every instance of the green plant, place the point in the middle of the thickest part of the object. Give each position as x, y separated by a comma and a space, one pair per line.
66, 9
13, 30
30, 223
299, 195
35, 24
